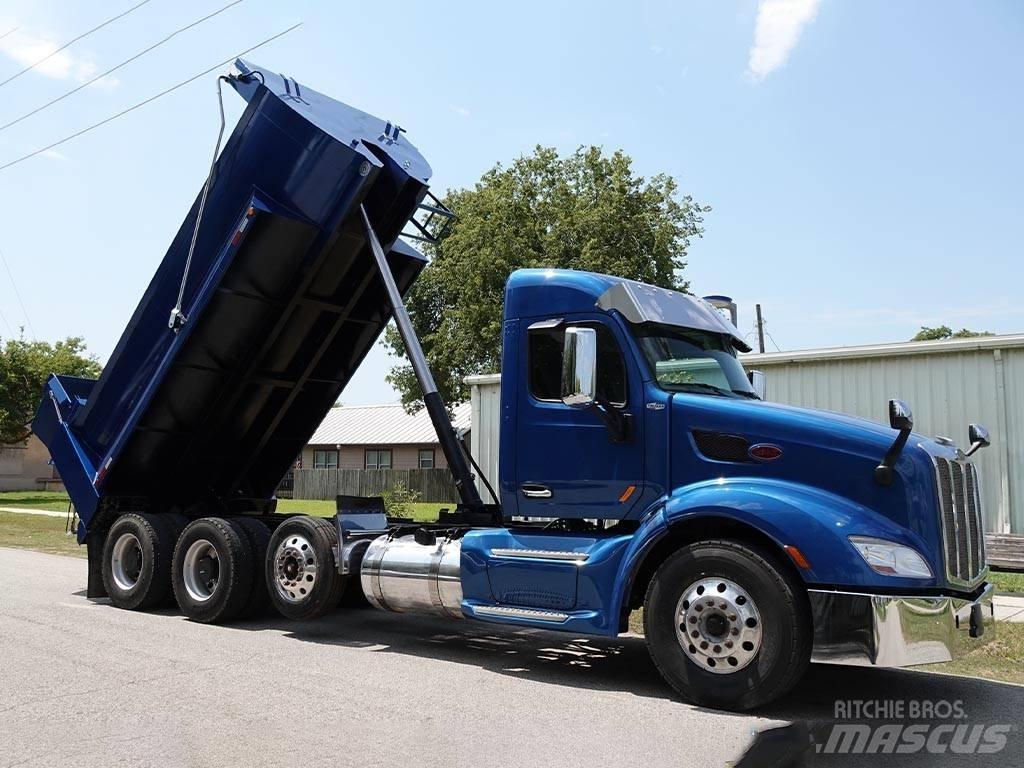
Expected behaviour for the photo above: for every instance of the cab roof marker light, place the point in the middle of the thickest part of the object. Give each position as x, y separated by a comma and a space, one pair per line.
891, 559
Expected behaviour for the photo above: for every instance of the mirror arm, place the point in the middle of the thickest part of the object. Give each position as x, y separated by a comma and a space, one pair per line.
884, 472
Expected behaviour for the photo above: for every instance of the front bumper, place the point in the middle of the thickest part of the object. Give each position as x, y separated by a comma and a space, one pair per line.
898, 631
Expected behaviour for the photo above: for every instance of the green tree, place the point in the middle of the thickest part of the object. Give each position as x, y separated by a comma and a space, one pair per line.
24, 368
945, 332
587, 211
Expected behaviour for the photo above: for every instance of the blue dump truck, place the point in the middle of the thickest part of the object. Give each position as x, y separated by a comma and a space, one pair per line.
638, 466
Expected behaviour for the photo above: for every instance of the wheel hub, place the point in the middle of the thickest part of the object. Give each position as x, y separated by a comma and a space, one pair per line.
201, 570
126, 561
295, 569
718, 625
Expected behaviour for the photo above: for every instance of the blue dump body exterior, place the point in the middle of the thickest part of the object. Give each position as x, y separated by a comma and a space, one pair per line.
284, 299
283, 302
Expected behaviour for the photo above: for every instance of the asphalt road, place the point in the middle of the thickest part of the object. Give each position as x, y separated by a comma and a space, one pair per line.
82, 683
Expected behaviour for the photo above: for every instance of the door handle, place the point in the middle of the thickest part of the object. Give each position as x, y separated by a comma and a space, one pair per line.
535, 491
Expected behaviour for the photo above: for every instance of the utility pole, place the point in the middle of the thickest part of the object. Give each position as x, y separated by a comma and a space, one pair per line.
760, 330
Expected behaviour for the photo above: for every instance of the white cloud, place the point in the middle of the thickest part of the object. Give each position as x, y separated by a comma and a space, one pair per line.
656, 49
26, 49
779, 26
53, 154
460, 110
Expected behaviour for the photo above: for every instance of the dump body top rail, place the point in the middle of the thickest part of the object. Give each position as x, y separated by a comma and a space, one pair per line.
283, 300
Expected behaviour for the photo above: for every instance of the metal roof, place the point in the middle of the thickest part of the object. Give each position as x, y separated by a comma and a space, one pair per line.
382, 425
944, 346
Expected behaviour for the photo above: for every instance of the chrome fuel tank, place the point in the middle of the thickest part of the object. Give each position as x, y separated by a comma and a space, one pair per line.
398, 574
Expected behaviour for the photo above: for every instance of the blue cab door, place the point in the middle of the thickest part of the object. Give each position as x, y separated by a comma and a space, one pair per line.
566, 463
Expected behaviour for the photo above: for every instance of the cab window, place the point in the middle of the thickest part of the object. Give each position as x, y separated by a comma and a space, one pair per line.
545, 361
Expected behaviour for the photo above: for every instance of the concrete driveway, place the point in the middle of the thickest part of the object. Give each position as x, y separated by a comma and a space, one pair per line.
82, 683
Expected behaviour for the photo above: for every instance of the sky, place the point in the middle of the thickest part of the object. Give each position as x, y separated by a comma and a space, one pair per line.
863, 160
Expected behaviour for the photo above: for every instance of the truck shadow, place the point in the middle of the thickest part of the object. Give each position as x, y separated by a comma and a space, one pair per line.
623, 664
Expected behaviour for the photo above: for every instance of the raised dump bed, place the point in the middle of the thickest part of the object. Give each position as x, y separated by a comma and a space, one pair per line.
281, 301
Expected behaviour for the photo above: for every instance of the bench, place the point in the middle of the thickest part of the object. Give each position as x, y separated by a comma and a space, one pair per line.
1005, 551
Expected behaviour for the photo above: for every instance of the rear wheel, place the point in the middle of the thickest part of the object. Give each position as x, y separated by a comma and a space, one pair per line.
258, 536
137, 561
302, 576
213, 570
726, 626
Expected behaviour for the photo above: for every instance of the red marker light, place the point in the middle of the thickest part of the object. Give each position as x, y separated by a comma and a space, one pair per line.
764, 452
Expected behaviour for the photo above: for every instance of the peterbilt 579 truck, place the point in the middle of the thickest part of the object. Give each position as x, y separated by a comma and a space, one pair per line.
638, 466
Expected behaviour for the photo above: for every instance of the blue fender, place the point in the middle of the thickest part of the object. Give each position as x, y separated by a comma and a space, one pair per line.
815, 521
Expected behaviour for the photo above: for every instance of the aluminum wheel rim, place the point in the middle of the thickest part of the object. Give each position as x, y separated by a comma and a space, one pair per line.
295, 569
126, 561
718, 625
201, 570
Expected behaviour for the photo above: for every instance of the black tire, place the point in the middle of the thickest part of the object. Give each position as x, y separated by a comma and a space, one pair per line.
136, 563
771, 668
258, 536
177, 524
297, 596
213, 581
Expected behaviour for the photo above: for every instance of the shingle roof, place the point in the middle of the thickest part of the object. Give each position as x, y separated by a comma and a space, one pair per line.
381, 425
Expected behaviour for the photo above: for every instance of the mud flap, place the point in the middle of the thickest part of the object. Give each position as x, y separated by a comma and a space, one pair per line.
94, 542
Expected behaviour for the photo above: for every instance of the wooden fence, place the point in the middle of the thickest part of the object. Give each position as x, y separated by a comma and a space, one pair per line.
434, 485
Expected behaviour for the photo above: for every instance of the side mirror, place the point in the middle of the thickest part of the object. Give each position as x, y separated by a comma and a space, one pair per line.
900, 416
758, 380
978, 435
579, 367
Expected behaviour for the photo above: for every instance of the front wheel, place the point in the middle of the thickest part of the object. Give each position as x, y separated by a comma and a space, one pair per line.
726, 626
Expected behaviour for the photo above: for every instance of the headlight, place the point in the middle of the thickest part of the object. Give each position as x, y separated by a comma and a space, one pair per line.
891, 559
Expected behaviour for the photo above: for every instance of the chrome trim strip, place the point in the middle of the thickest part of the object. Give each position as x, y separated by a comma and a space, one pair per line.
509, 611
541, 554
896, 630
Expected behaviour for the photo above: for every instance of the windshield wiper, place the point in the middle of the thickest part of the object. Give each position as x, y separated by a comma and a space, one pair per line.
703, 387
746, 393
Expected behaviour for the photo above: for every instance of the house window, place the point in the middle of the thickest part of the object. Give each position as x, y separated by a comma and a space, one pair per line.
426, 458
378, 458
325, 459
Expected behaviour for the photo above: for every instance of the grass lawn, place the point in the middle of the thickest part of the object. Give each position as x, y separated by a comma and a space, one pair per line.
54, 501
1002, 659
39, 532
57, 501
421, 511
1007, 582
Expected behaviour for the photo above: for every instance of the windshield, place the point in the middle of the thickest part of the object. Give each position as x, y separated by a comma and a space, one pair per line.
684, 360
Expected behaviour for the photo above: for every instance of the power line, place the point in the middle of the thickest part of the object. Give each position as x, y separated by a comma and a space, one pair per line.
53, 53
113, 69
144, 102
9, 328
17, 293
9, 32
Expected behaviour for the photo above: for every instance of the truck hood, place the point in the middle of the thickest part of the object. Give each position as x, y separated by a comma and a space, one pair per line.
831, 451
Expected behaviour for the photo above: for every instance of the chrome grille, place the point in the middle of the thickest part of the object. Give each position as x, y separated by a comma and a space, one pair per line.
963, 521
